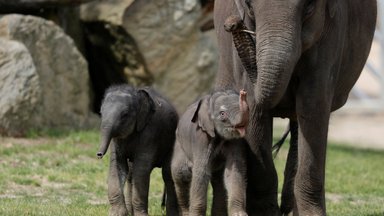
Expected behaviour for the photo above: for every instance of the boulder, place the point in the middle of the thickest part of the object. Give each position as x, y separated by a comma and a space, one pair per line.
182, 59
106, 11
20, 89
171, 49
61, 74
112, 54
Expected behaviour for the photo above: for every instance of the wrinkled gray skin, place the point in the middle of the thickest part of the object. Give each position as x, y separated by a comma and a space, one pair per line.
209, 148
139, 125
309, 54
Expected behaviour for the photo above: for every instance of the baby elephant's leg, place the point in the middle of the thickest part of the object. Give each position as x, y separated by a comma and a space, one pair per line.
201, 175
182, 176
235, 178
140, 186
171, 199
219, 194
128, 193
118, 172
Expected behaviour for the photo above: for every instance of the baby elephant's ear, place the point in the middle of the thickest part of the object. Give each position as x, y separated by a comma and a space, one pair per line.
146, 109
202, 117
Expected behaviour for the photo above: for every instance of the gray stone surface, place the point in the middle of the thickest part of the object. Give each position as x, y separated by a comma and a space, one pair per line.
182, 59
19, 89
110, 11
61, 70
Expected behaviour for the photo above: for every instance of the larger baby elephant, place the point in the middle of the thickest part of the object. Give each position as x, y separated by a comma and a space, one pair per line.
140, 125
208, 146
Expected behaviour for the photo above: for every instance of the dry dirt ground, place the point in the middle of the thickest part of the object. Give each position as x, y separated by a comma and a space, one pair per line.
364, 130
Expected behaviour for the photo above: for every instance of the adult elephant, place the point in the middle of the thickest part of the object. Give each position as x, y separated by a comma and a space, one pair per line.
305, 58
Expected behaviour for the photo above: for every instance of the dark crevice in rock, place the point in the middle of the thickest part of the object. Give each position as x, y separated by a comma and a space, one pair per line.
113, 58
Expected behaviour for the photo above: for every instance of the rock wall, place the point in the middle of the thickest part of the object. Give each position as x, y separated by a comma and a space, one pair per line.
176, 54
57, 57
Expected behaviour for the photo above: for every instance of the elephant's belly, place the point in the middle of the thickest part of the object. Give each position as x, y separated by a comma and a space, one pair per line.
286, 108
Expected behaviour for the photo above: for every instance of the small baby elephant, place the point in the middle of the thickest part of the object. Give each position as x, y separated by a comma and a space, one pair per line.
209, 148
140, 125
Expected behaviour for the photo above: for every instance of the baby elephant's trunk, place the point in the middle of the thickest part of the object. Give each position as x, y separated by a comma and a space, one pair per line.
106, 139
244, 113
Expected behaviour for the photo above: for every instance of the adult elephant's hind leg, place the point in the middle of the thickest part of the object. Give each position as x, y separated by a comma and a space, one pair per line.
313, 113
287, 195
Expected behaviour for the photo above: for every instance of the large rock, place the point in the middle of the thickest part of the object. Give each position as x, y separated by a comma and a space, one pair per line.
113, 58
111, 52
182, 59
179, 57
61, 70
19, 89
108, 11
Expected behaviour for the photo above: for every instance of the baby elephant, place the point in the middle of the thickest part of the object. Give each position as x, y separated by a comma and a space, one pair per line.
209, 148
140, 125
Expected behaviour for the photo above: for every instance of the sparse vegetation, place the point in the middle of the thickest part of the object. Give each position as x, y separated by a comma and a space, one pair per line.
58, 174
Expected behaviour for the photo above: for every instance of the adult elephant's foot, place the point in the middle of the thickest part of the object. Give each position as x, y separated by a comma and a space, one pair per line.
310, 196
118, 210
264, 211
263, 205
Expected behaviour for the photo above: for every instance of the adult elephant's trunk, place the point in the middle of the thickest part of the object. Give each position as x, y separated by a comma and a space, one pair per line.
278, 48
106, 138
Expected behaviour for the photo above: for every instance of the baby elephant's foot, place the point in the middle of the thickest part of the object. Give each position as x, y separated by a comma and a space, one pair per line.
140, 213
241, 213
118, 211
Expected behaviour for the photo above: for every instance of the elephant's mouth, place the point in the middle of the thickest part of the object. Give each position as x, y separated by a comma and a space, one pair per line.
241, 129
233, 132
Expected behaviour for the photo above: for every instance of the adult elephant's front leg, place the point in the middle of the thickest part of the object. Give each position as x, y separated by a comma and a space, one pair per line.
261, 173
118, 172
313, 112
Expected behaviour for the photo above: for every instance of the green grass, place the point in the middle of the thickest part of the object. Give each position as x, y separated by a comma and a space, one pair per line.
354, 180
58, 174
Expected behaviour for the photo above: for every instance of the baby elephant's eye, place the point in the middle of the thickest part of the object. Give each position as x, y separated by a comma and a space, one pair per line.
223, 115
